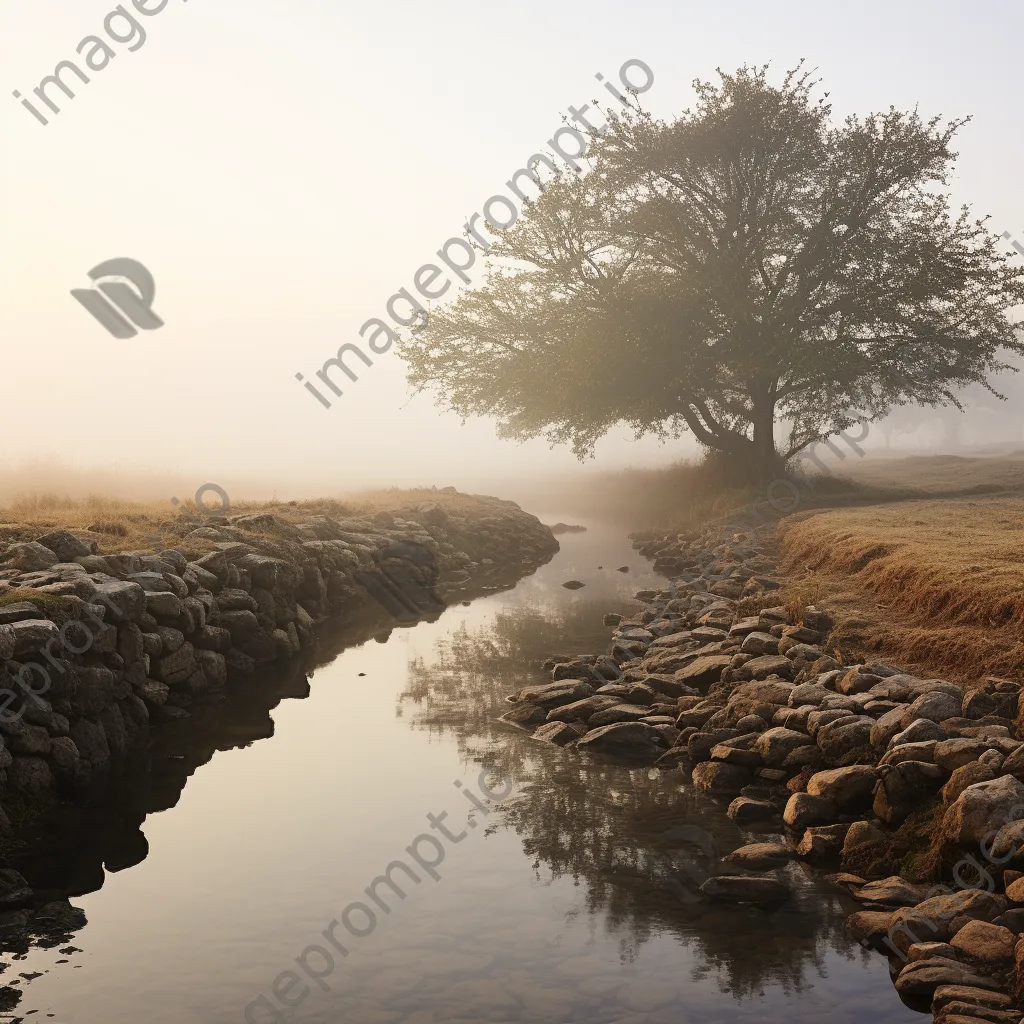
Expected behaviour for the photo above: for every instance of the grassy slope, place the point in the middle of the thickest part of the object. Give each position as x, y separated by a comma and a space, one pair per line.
121, 525
933, 584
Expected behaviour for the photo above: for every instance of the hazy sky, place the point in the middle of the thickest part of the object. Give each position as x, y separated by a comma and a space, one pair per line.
282, 168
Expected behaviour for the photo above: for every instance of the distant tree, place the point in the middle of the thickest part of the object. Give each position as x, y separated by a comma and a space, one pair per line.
746, 263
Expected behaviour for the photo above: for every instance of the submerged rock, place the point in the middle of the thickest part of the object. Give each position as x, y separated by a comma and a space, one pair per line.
746, 889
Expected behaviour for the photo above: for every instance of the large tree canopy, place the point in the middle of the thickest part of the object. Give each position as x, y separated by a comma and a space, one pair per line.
745, 264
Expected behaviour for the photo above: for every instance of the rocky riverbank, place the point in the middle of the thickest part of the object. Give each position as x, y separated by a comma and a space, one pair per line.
100, 647
910, 790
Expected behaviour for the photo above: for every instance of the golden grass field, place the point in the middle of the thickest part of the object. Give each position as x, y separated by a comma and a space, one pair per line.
934, 585
123, 525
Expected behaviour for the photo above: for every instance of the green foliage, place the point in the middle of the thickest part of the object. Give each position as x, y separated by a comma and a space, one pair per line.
747, 263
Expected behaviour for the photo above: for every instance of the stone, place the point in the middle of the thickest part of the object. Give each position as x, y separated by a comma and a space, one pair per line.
744, 810
924, 950
964, 776
66, 760
893, 891
213, 666
983, 941
66, 546
850, 789
91, 741
920, 730
803, 810
775, 744
904, 787
29, 557
618, 713
94, 689
932, 920
175, 668
31, 635
934, 706
837, 739
822, 841
756, 644
1015, 890
982, 809
29, 775
768, 665
760, 857
887, 726
721, 778
745, 889
954, 753
622, 739
737, 750
946, 994
559, 733
30, 740
856, 680
704, 670
920, 980
123, 601
700, 744
923, 751
871, 929
551, 695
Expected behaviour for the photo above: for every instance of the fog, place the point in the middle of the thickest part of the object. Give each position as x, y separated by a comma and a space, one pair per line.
282, 170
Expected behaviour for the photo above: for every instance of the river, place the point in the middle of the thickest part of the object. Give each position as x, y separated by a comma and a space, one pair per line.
573, 899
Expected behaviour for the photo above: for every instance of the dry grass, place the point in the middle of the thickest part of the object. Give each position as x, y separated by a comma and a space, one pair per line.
939, 474
122, 525
933, 585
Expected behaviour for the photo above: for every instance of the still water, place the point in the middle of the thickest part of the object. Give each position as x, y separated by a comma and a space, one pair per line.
203, 887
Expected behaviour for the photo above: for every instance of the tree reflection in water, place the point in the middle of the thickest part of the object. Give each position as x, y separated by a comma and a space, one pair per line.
603, 824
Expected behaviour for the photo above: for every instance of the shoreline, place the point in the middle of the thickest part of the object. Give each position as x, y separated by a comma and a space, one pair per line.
868, 772
225, 622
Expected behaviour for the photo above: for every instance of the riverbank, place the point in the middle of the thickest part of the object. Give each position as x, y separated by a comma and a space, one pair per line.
909, 788
102, 647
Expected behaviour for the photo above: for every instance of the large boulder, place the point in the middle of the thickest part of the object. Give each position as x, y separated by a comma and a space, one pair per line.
704, 670
632, 740
803, 810
935, 706
955, 753
905, 788
984, 942
850, 788
871, 929
760, 857
720, 777
775, 745
29, 557
982, 809
66, 546
551, 695
920, 979
932, 920
745, 889
842, 737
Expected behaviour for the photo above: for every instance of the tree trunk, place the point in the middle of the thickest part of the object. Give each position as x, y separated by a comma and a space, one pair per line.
766, 463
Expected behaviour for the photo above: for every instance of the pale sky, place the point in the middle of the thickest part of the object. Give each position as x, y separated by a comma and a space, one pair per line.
283, 168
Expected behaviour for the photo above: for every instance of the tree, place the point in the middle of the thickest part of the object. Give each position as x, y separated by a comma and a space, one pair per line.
745, 264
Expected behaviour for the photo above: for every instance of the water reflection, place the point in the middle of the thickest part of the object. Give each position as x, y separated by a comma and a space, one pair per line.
561, 910
603, 825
